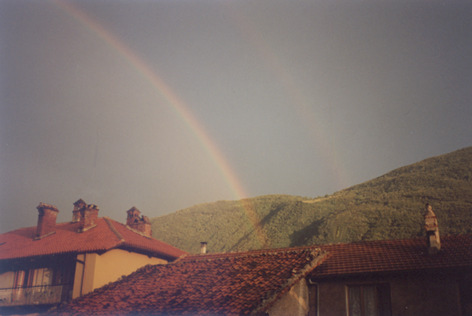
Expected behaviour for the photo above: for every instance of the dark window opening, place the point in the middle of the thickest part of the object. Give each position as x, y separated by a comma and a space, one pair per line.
368, 300
37, 285
313, 300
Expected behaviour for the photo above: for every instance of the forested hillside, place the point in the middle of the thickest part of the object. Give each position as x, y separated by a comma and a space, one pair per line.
387, 207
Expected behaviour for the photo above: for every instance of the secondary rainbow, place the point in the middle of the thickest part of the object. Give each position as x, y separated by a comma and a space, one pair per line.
300, 103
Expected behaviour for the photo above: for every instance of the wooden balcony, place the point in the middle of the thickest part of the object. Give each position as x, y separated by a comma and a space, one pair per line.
36, 295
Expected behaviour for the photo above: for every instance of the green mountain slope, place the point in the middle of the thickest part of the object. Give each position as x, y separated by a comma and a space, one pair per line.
387, 207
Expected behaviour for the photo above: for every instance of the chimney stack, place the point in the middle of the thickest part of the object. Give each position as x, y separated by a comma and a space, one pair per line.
137, 222
203, 247
88, 217
46, 220
432, 231
78, 205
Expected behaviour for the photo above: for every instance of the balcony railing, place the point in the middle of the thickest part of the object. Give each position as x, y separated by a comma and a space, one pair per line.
35, 295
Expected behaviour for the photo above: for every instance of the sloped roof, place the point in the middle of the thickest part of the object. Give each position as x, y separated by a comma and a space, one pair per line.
107, 234
216, 284
394, 256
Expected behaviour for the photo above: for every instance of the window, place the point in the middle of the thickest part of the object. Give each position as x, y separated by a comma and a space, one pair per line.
20, 279
368, 300
6, 283
35, 286
41, 277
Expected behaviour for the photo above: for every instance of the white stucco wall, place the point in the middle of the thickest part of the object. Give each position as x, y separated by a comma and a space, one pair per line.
293, 303
108, 267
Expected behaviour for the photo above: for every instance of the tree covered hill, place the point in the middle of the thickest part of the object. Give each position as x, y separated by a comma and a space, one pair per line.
388, 207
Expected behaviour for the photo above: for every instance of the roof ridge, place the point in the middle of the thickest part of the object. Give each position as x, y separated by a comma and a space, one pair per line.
251, 253
357, 242
317, 257
113, 229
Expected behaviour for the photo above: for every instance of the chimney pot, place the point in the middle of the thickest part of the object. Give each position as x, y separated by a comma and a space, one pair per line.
78, 205
88, 217
203, 247
133, 216
432, 231
46, 220
137, 222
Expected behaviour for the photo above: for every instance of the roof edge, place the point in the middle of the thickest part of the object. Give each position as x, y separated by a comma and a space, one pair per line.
113, 229
318, 256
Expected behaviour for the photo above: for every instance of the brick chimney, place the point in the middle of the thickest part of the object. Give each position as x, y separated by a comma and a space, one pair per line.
432, 231
133, 216
78, 205
137, 222
46, 220
88, 217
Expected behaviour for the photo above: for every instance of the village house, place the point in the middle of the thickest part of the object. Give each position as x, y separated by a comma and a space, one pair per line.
51, 263
419, 276
255, 282
394, 277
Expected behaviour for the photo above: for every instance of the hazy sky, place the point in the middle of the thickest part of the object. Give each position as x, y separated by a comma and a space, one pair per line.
166, 104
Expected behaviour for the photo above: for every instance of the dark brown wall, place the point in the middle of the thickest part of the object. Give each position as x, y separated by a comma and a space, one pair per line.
425, 295
413, 294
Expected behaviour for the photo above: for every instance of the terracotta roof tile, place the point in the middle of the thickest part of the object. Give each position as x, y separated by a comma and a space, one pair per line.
394, 255
108, 234
216, 284
241, 283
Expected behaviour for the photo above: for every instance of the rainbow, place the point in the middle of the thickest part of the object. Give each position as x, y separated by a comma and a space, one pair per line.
301, 105
178, 105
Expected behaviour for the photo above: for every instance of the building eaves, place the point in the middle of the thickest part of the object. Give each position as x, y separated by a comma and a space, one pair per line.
229, 284
390, 256
107, 234
317, 257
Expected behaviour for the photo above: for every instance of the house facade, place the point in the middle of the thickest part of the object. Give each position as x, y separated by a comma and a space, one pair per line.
264, 282
422, 276
419, 276
52, 263
394, 277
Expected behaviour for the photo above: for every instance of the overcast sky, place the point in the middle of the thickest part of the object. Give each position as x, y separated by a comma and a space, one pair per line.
166, 104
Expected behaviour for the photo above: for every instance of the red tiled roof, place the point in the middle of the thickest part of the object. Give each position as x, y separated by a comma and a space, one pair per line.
108, 234
217, 284
394, 256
